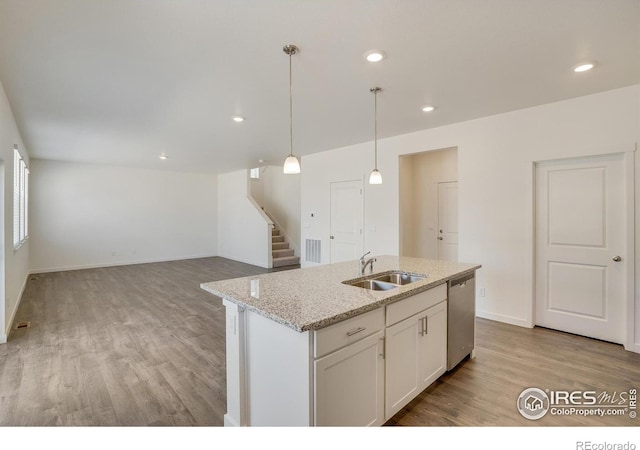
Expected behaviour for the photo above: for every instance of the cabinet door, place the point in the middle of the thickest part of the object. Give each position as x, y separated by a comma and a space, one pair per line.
433, 345
416, 352
349, 384
402, 364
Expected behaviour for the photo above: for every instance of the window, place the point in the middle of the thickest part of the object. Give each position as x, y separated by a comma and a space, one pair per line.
20, 199
255, 173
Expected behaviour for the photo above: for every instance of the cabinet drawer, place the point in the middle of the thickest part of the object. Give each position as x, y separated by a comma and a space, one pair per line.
409, 306
347, 332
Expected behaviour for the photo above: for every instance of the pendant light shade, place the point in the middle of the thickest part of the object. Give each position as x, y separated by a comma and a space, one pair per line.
291, 164
376, 176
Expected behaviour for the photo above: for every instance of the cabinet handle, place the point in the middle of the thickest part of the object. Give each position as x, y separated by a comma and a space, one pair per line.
424, 326
356, 331
384, 350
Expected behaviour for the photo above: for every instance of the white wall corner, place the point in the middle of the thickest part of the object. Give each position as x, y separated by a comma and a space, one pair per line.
15, 309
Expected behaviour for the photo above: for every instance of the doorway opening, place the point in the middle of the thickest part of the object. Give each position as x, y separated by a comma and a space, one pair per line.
429, 204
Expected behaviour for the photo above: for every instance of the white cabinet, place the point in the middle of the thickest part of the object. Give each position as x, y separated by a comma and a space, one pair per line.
349, 372
416, 352
357, 372
350, 384
433, 349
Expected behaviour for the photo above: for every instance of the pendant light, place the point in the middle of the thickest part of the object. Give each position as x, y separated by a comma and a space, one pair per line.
291, 164
376, 176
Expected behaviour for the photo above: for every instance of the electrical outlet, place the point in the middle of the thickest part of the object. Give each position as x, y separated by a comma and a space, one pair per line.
482, 292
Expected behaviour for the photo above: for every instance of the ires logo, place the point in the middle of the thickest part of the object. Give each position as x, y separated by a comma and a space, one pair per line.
558, 398
534, 403
589, 398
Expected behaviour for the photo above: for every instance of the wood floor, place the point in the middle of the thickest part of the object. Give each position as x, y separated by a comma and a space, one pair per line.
144, 345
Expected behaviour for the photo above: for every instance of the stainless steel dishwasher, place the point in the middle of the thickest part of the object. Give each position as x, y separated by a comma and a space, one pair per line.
461, 318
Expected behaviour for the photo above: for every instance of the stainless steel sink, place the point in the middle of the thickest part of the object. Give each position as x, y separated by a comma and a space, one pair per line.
399, 278
374, 285
386, 281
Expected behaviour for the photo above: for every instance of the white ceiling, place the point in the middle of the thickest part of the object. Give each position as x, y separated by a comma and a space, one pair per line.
121, 81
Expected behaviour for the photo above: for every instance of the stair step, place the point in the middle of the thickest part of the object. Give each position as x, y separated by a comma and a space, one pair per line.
282, 253
277, 239
275, 232
286, 261
279, 245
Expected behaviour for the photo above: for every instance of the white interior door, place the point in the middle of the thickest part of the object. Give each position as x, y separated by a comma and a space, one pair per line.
448, 221
581, 245
346, 221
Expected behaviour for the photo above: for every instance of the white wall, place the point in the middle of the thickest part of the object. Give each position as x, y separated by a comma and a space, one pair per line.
244, 231
424, 170
14, 264
85, 215
279, 195
495, 166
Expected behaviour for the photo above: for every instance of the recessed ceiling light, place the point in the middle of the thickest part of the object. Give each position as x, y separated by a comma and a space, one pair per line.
238, 119
428, 108
163, 156
584, 67
261, 161
374, 55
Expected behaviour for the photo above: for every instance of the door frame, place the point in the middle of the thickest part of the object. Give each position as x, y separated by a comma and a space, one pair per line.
629, 289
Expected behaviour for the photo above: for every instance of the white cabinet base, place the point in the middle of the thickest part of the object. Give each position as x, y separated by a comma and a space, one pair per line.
268, 372
353, 373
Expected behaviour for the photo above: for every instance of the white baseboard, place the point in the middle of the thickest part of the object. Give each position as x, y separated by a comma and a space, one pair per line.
15, 310
120, 263
229, 422
635, 348
505, 319
246, 261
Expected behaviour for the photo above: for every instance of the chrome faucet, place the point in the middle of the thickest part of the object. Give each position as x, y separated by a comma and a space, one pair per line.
364, 263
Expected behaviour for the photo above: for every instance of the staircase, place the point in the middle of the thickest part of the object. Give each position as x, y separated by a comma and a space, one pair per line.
280, 251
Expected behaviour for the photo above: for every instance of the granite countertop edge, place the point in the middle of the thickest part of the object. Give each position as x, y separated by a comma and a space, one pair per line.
322, 323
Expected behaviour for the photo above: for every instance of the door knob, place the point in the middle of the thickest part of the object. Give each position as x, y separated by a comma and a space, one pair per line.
617, 259
440, 238
331, 237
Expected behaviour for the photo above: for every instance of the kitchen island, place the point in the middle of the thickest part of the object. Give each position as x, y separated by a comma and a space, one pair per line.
305, 347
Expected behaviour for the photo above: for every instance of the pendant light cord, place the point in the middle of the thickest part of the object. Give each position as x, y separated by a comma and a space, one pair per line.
290, 107
375, 126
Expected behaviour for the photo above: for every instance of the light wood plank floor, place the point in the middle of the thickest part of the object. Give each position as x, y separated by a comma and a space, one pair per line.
144, 345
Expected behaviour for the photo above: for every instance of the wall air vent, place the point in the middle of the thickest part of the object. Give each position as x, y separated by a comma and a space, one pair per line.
313, 250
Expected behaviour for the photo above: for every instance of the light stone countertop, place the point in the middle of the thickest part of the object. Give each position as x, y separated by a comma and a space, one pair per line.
315, 297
